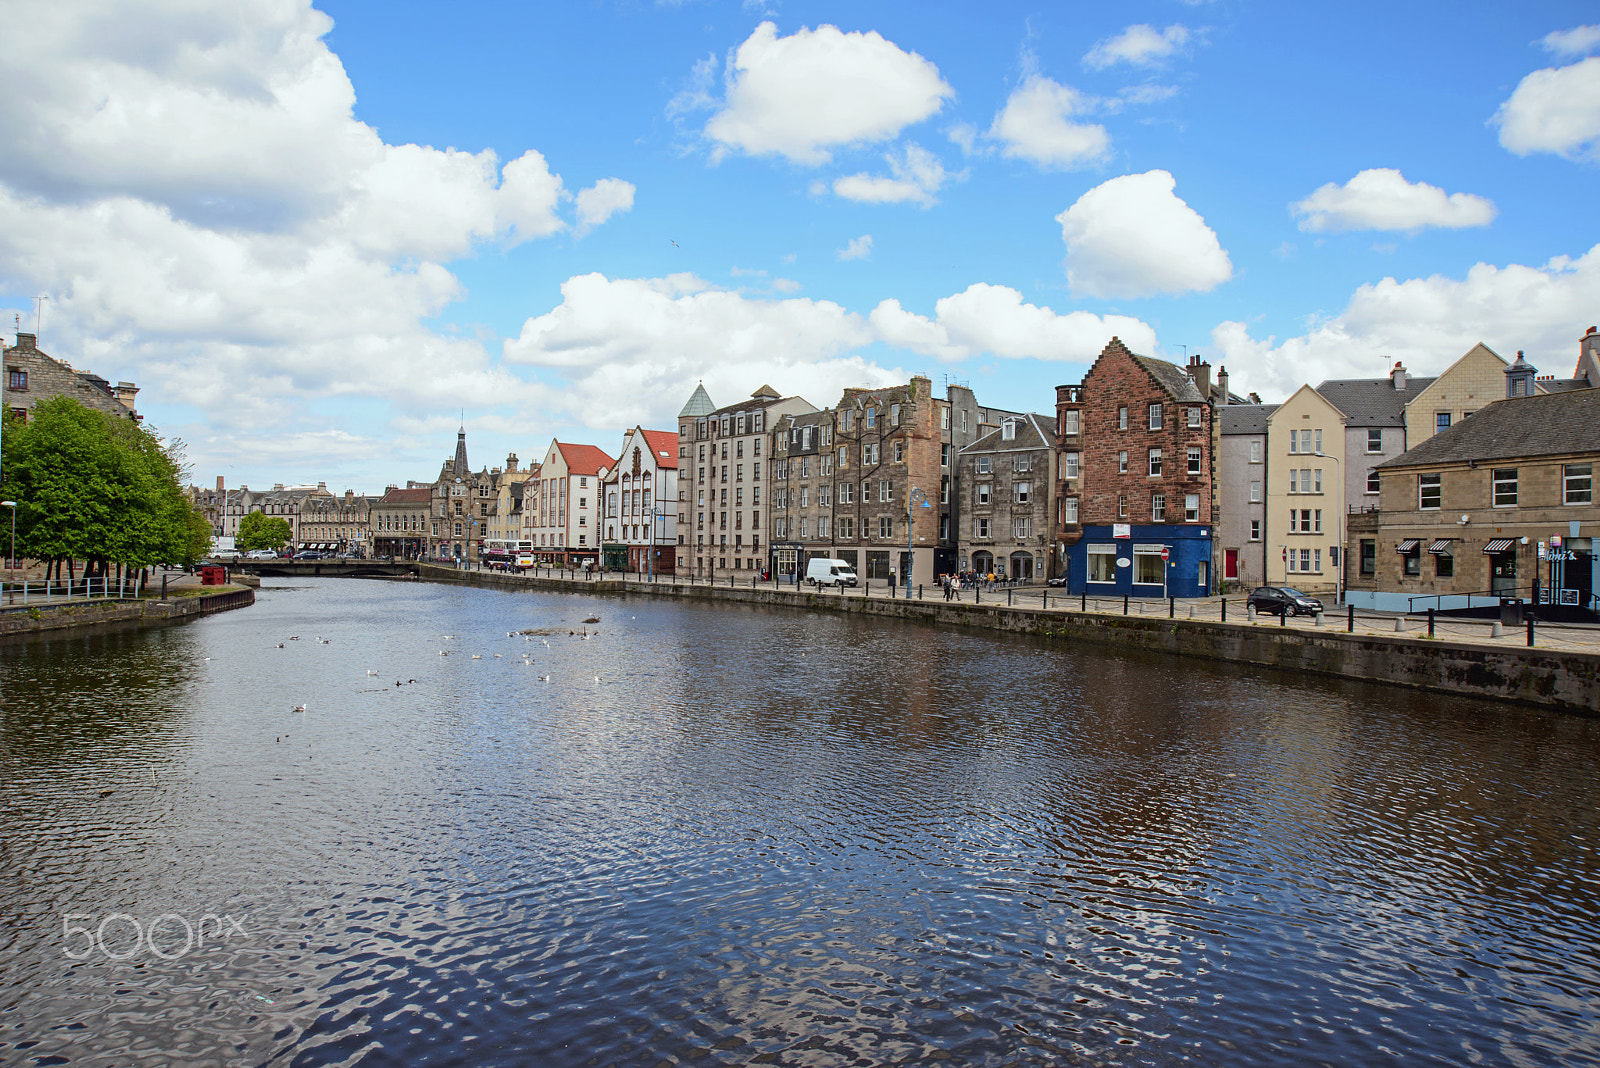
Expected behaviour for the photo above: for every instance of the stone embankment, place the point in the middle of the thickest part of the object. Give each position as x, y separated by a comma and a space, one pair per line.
65, 614
1563, 679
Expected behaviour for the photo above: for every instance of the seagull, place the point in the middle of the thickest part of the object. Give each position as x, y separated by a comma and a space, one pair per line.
497, 656
443, 653
370, 672
674, 243
280, 645
299, 708
477, 656
597, 678
544, 678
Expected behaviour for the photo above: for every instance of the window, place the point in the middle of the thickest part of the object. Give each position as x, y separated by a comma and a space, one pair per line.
1374, 439
1255, 530
1022, 490
847, 420
16, 378
1069, 509
894, 414
980, 528
899, 452
1155, 417
803, 522
844, 456
847, 527
1195, 416
885, 525
1122, 418
1102, 563
1444, 563
983, 465
1008, 430
944, 455
1441, 421
872, 417
1122, 463
1155, 463
1255, 491
1148, 567
1255, 452
1505, 488
944, 490
1194, 459
1069, 422
1305, 521
1413, 560
1372, 480
982, 496
1122, 507
1577, 483
1158, 508
1022, 463
1191, 508
847, 492
944, 418
1021, 528
1069, 465
755, 472
1428, 492
805, 496
822, 526
1369, 556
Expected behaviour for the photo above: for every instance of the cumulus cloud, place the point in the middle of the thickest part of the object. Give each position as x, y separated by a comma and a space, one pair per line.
858, 248
1037, 125
1578, 41
1554, 110
1427, 323
996, 320
602, 200
802, 96
191, 187
1134, 237
1138, 46
915, 175
1382, 199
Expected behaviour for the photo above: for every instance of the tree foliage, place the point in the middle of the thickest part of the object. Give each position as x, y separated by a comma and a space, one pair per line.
91, 486
260, 531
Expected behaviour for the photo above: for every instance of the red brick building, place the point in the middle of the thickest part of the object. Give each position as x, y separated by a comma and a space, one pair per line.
1135, 463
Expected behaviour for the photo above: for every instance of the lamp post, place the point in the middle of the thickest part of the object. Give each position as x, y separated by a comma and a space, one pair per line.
1338, 575
12, 561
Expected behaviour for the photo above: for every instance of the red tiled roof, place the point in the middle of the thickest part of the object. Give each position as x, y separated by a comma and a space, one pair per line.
665, 445
584, 459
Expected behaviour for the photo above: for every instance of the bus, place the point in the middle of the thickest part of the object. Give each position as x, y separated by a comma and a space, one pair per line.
504, 554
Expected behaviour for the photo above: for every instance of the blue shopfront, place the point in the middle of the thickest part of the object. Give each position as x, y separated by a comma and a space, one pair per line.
1157, 561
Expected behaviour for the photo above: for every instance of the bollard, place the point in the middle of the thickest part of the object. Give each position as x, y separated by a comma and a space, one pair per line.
1044, 601
1008, 597
1283, 616
1400, 625
163, 588
1350, 626
1124, 604
1225, 610
1430, 622
1083, 601
919, 591
977, 595
891, 591
1317, 620
1172, 607
1530, 631
1191, 611
1496, 630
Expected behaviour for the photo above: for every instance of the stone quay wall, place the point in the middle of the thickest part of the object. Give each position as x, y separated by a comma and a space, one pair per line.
1565, 680
17, 619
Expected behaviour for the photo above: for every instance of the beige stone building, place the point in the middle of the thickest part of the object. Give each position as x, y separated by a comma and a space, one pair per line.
336, 524
459, 508
33, 376
1304, 490
400, 521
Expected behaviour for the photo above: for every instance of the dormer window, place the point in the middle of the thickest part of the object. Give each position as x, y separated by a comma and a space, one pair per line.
1008, 430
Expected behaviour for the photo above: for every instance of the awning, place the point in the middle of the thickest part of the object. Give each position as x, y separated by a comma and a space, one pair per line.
1498, 545
1441, 546
1409, 545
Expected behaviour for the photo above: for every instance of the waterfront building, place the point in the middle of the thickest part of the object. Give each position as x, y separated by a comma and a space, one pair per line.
1502, 504
33, 376
400, 522
336, 524
1139, 518
1305, 510
459, 508
225, 508
724, 480
1242, 491
562, 518
505, 510
1006, 482
640, 496
873, 479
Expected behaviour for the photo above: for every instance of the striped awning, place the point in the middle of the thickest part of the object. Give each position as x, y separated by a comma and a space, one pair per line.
1499, 545
1409, 545
1441, 546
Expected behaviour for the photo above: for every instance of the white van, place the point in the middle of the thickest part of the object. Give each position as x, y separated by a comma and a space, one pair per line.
826, 571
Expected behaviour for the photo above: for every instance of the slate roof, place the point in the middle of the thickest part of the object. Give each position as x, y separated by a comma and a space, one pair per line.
1372, 401
1033, 432
1545, 424
1245, 418
1173, 378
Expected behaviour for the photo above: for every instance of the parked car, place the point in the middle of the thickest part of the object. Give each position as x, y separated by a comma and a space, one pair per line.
261, 554
829, 571
1059, 582
310, 554
226, 556
1273, 600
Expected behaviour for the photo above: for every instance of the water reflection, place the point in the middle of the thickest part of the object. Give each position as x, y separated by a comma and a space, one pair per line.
724, 836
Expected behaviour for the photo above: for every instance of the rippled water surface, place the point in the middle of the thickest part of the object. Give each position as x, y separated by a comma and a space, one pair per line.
720, 836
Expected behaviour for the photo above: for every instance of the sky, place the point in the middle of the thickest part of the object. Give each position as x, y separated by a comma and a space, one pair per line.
321, 238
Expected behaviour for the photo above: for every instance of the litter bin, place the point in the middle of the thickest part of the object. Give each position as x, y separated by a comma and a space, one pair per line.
1511, 611
211, 575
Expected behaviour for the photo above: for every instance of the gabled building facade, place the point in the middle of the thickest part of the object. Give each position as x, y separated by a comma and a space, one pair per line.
1135, 475
639, 502
33, 376
1006, 484
460, 508
563, 517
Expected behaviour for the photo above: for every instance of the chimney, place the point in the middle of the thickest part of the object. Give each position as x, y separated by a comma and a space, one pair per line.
1398, 376
322, 485
1200, 374
1589, 358
1222, 386
220, 490
27, 342
511, 462
125, 392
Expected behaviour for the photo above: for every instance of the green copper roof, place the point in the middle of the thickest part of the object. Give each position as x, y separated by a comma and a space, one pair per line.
699, 404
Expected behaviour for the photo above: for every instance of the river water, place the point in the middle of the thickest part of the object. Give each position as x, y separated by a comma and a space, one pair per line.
702, 835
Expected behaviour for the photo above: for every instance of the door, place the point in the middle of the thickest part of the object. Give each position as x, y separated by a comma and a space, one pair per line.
1230, 564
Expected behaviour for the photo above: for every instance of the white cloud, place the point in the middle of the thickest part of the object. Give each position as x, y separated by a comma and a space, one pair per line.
917, 176
602, 200
1382, 199
994, 319
628, 345
1556, 110
1427, 323
859, 248
1036, 125
803, 95
1139, 46
1133, 237
1578, 41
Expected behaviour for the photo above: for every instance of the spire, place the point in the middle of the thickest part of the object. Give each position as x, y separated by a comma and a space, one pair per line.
699, 404
459, 467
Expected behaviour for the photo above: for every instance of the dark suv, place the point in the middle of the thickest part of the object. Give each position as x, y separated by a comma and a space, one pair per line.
1273, 600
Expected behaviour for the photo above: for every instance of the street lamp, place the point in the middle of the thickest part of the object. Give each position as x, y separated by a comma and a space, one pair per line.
1338, 575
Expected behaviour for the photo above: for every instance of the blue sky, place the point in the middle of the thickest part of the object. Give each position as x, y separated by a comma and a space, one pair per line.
316, 237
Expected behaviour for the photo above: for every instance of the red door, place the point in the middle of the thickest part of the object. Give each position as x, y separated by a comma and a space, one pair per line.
1230, 563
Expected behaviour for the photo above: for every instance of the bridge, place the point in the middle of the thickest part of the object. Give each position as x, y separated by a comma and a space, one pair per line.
328, 568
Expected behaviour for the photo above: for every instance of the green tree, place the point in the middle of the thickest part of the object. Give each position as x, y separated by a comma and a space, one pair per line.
91, 486
259, 531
